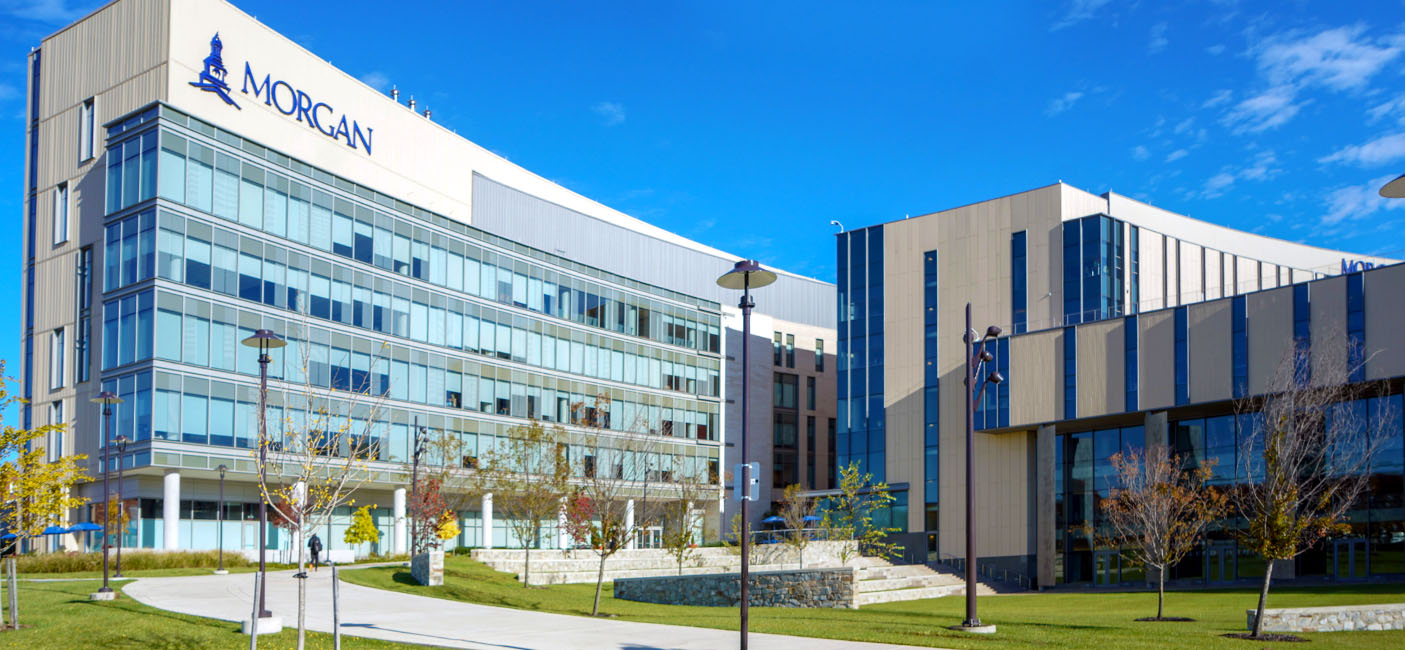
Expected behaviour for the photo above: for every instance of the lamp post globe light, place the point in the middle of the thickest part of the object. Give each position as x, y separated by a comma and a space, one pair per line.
220, 517
263, 340
107, 398
745, 275
976, 355
121, 441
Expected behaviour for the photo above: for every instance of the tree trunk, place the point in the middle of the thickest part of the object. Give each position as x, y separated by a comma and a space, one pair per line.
302, 598
527, 566
1263, 598
1160, 593
599, 581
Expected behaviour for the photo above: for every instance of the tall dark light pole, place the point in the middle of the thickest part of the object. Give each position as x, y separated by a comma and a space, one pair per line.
976, 355
107, 399
414, 484
745, 275
264, 340
121, 441
220, 515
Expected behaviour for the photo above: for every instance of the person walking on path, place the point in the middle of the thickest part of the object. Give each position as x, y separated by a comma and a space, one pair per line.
315, 546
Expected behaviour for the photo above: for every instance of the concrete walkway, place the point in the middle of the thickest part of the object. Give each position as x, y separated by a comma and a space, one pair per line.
405, 618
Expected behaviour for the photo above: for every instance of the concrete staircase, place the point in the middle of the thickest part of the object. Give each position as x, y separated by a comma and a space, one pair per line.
879, 581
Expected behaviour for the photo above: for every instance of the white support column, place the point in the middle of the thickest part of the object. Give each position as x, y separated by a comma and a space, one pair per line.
487, 520
629, 522
170, 511
397, 513
299, 495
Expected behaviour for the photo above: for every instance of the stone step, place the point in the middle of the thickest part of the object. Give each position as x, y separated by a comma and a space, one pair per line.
888, 584
573, 577
915, 593
893, 571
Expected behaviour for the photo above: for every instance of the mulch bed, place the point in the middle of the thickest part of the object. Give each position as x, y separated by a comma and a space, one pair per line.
1165, 619
1278, 638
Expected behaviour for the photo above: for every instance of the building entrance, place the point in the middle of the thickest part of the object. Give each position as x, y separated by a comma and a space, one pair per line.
1107, 567
1349, 558
1220, 561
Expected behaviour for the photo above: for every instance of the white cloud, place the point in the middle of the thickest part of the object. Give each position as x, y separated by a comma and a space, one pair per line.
1140, 153
1221, 97
1376, 152
1157, 40
1217, 184
1184, 126
1176, 155
48, 11
1215, 50
1061, 104
1269, 109
377, 80
1394, 107
1357, 202
611, 112
1262, 168
8, 92
1078, 11
1337, 58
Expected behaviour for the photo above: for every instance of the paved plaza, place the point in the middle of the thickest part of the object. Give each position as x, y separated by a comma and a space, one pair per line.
393, 616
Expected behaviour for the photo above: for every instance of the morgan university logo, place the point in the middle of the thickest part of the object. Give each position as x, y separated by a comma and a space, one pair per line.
212, 77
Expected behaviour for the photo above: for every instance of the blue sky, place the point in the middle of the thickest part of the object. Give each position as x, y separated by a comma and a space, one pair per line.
749, 126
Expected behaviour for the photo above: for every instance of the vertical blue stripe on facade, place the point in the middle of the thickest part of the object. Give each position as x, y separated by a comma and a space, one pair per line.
32, 223
1070, 373
1182, 352
1130, 365
860, 385
931, 391
1356, 325
1302, 330
1239, 344
1002, 363
1019, 281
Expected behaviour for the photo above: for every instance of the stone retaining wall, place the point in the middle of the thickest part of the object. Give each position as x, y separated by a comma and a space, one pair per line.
1332, 619
831, 587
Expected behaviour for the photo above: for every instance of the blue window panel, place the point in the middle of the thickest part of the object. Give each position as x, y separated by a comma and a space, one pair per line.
1182, 352
1131, 367
1134, 260
1002, 362
1019, 296
1239, 343
1073, 285
1302, 330
1094, 271
1070, 373
1356, 325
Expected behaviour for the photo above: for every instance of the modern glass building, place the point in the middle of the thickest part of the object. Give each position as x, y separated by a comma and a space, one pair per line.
1124, 325
197, 201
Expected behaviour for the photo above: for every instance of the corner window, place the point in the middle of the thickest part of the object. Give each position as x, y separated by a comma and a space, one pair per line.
61, 213
819, 355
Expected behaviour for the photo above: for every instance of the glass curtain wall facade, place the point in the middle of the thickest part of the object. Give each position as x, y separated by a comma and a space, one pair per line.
210, 237
860, 373
931, 398
1093, 250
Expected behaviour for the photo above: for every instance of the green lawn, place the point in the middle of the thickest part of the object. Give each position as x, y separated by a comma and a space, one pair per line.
1049, 620
59, 616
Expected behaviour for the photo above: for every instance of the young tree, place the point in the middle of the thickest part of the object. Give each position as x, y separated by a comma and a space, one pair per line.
36, 493
448, 464
528, 475
363, 528
798, 510
1161, 507
1304, 462
849, 515
679, 515
425, 509
316, 455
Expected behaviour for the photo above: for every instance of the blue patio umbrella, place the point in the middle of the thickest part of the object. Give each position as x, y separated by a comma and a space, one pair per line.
55, 530
84, 527
811, 518
8, 536
773, 519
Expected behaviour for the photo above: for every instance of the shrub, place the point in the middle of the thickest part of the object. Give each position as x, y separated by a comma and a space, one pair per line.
131, 561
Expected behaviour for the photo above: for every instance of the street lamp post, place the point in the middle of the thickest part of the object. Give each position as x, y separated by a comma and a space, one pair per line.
745, 275
121, 441
107, 399
414, 484
220, 516
264, 340
976, 355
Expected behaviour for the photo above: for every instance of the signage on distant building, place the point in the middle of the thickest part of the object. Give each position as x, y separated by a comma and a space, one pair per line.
1352, 266
284, 98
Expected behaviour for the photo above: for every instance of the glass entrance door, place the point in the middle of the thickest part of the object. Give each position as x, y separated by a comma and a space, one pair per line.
1349, 558
1107, 567
1220, 562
